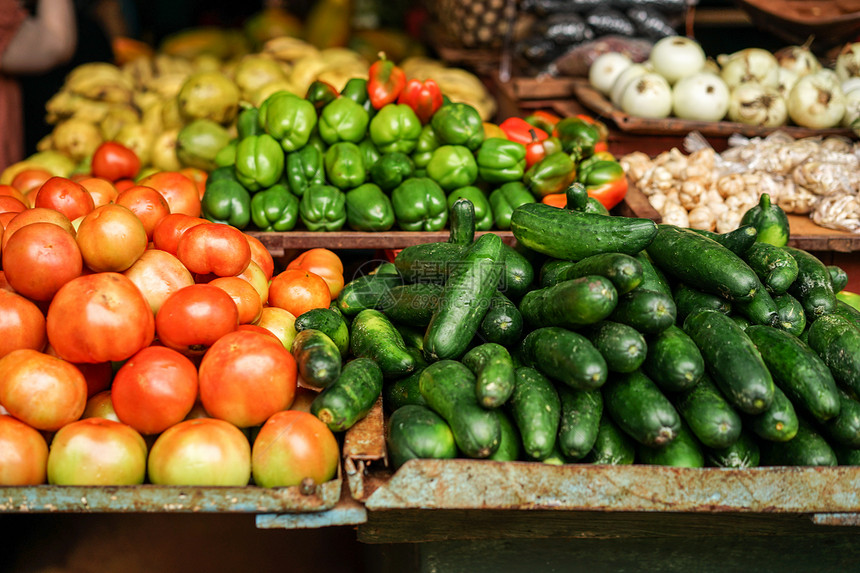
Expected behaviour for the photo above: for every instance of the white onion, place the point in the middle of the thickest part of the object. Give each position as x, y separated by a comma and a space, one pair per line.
787, 79
749, 65
816, 101
702, 96
798, 59
631, 72
676, 57
605, 70
649, 95
852, 108
848, 61
755, 104
850, 85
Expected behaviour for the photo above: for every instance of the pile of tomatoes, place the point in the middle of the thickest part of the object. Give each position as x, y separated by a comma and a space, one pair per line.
141, 342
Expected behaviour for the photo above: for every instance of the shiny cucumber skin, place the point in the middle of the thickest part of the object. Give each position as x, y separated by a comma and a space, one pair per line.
349, 398
639, 408
536, 411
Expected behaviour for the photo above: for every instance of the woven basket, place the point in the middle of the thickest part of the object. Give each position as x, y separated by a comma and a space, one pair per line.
476, 23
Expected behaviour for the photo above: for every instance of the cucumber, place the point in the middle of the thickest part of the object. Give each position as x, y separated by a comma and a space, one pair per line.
774, 266
405, 390
373, 336
565, 356
329, 322
518, 274
838, 277
509, 446
688, 300
837, 342
555, 458
798, 371
572, 303
574, 235
413, 304
673, 361
744, 453
648, 311
461, 222
812, 287
581, 411
737, 241
622, 346
611, 446
317, 358
807, 448
702, 263
732, 360
349, 398
624, 271
846, 456
742, 322
792, 319
449, 389
536, 411
708, 414
760, 309
465, 300
417, 432
366, 291
503, 323
779, 422
640, 409
769, 220
592, 205
847, 312
492, 366
412, 337
652, 277
385, 269
428, 262
682, 452
844, 429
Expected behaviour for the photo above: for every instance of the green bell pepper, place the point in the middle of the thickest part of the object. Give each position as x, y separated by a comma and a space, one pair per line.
304, 168
226, 201
552, 174
501, 160
427, 144
507, 198
343, 120
395, 128
369, 209
320, 94
226, 156
483, 211
275, 209
248, 123
419, 205
452, 166
323, 208
259, 162
577, 137
600, 172
458, 124
288, 118
391, 170
344, 165
356, 90
369, 153
316, 141
227, 172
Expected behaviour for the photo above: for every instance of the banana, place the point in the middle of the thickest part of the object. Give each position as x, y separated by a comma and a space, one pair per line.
116, 118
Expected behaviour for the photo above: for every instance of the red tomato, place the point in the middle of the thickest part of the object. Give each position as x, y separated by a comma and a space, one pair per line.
202, 451
28, 179
255, 275
23, 453
5, 218
114, 161
96, 451
36, 215
194, 317
258, 329
180, 191
11, 191
40, 390
65, 196
98, 375
324, 263
298, 291
280, 322
169, 230
149, 205
246, 377
101, 190
99, 317
214, 248
22, 324
245, 296
158, 274
292, 446
39, 259
9, 204
100, 405
154, 389
111, 238
261, 255
199, 177
123, 184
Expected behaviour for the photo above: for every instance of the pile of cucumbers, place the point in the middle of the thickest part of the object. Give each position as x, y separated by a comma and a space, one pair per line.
608, 340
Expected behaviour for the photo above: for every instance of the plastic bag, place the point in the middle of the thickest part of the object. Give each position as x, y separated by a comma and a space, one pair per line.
564, 29
577, 59
665, 6
545, 8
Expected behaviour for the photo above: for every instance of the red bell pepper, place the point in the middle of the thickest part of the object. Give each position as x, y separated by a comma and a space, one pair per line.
519, 130
555, 200
543, 120
385, 82
423, 97
609, 194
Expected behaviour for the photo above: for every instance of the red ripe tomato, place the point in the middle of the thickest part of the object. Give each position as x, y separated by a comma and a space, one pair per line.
246, 377
23, 453
40, 390
179, 191
158, 274
22, 324
298, 291
99, 317
9, 204
10, 191
98, 375
258, 329
29, 179
244, 295
65, 196
255, 275
35, 215
167, 232
39, 259
199, 177
154, 389
101, 190
261, 255
201, 452
114, 161
293, 445
123, 184
100, 406
194, 317
214, 248
149, 205
97, 451
111, 238
324, 263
